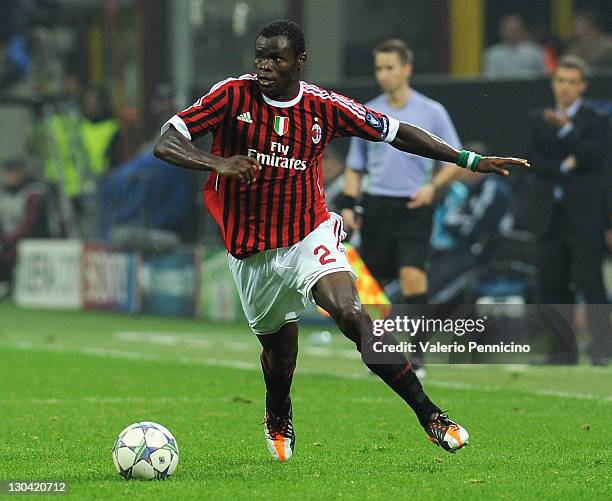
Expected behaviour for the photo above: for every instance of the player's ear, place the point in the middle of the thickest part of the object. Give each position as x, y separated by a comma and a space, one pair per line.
302, 59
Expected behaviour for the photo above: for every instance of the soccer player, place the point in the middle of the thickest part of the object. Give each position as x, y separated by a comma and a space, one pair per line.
284, 247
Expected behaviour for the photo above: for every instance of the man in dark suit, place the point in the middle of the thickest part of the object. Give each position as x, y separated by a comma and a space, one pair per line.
607, 182
564, 207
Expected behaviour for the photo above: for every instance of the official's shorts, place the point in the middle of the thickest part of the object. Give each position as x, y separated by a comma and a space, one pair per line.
275, 285
393, 236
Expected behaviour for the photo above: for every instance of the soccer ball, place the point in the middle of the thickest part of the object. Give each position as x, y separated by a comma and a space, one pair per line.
145, 451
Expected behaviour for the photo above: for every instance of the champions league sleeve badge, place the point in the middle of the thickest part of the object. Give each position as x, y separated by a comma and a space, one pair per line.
379, 124
373, 121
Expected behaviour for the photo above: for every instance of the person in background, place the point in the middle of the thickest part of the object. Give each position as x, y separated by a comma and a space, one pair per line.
100, 138
23, 214
77, 142
146, 192
607, 183
474, 207
589, 42
397, 201
20, 29
515, 56
564, 206
100, 132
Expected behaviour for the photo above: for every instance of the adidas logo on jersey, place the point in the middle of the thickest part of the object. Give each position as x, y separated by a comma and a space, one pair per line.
245, 117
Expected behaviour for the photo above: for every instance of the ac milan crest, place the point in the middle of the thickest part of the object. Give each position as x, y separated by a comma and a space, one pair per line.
315, 133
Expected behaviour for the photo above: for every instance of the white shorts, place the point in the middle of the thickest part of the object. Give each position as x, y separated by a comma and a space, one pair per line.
274, 285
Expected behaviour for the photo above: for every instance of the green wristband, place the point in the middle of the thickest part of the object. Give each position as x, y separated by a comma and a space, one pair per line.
463, 158
468, 160
474, 163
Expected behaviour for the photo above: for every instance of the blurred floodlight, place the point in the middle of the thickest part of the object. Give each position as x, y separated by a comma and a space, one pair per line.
240, 18
196, 12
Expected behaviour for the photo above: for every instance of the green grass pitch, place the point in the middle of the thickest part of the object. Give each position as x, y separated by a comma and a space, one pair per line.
69, 382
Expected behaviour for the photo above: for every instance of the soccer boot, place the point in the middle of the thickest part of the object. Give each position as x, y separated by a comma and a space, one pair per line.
446, 433
279, 434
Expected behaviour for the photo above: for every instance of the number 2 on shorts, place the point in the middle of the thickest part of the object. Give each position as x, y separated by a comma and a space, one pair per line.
323, 259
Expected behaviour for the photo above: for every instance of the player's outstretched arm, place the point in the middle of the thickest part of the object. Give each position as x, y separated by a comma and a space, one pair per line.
176, 149
420, 142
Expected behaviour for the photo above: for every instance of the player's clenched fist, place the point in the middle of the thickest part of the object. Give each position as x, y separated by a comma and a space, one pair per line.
239, 166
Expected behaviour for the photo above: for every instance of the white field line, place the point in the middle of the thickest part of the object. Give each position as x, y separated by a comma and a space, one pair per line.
203, 340
104, 400
132, 355
237, 364
98, 400
208, 341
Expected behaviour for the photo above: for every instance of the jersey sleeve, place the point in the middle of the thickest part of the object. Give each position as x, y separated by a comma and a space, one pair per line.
203, 116
355, 119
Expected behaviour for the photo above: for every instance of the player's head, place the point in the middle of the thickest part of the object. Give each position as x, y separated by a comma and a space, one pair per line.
280, 54
393, 62
569, 81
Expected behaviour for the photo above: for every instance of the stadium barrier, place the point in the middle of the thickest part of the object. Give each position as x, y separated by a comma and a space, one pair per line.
109, 279
48, 274
171, 282
190, 281
71, 274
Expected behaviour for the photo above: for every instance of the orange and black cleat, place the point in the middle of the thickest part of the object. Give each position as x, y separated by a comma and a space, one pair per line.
279, 434
446, 433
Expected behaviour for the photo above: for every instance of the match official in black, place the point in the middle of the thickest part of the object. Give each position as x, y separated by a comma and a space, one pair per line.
397, 200
564, 206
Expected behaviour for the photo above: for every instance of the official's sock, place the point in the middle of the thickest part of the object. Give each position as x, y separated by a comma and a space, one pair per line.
277, 388
420, 336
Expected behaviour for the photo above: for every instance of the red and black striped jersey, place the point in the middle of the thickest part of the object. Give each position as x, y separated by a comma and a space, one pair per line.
288, 138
